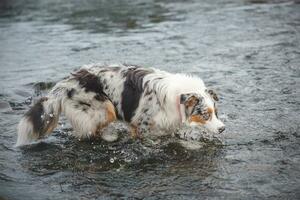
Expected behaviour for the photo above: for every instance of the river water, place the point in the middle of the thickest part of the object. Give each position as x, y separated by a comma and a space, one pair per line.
248, 51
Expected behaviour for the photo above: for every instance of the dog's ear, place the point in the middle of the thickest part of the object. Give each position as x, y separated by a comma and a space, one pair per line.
213, 95
189, 99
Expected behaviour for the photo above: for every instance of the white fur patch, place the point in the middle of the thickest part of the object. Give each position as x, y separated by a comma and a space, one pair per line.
25, 127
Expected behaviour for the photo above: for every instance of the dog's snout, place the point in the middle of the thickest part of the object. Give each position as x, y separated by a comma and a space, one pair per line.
221, 129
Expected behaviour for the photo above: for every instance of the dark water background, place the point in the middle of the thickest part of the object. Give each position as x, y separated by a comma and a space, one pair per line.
249, 51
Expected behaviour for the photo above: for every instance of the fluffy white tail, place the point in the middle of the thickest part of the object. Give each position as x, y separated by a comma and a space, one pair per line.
80, 98
39, 121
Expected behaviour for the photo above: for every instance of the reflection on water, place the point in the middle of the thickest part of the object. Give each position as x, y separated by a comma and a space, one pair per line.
97, 16
246, 50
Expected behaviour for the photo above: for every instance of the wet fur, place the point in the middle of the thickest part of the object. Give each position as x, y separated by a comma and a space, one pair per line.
95, 96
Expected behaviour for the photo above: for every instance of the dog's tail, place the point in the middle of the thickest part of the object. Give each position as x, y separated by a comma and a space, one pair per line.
40, 120
82, 101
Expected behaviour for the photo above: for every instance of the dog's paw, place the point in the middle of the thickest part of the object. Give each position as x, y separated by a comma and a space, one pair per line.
110, 136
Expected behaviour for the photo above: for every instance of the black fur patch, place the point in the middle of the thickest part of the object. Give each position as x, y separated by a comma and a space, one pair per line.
213, 94
35, 115
145, 123
148, 92
70, 93
90, 82
133, 89
84, 103
99, 97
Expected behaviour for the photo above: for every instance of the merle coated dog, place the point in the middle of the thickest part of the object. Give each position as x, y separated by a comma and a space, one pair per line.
146, 98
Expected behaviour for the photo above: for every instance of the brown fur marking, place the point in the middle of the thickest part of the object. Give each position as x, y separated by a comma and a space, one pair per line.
110, 117
197, 119
192, 101
210, 111
134, 132
110, 112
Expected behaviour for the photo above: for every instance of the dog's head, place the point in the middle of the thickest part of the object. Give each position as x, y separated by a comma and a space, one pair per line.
201, 110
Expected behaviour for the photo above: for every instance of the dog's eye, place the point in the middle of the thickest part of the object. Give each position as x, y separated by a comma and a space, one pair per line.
206, 116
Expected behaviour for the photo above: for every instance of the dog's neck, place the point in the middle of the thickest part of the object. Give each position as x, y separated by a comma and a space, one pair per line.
180, 110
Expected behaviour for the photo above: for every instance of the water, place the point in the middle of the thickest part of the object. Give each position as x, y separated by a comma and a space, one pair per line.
249, 51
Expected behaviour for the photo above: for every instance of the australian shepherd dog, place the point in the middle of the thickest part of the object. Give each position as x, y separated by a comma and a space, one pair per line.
146, 98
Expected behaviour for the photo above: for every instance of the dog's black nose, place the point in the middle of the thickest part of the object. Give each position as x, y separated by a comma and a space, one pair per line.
221, 129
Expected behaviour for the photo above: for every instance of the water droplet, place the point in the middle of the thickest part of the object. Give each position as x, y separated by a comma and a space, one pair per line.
94, 147
51, 115
111, 160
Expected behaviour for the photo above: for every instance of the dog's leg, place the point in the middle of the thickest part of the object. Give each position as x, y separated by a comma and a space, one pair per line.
134, 132
88, 113
142, 127
110, 113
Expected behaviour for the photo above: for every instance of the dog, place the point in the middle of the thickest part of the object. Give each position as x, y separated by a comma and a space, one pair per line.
146, 98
